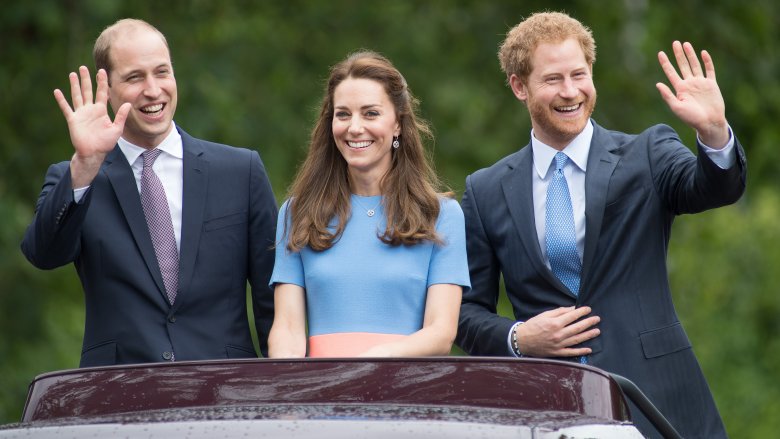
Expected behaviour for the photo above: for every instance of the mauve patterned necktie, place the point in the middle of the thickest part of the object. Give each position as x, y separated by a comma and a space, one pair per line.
158, 219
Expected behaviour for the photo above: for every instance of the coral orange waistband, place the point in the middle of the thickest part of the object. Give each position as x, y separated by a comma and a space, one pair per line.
347, 344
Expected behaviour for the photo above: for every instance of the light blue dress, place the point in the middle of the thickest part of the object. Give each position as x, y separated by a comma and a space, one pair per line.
362, 286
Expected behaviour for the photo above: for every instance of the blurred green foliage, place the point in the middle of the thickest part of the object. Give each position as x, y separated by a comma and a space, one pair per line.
252, 73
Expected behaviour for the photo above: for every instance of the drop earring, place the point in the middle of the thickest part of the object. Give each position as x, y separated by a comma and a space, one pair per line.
396, 143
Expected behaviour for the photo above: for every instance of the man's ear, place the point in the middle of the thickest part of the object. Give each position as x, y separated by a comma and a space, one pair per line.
518, 88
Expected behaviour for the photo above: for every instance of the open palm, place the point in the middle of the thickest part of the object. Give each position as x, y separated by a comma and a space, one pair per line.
92, 132
696, 99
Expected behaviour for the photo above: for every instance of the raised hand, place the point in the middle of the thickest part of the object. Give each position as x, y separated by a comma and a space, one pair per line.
553, 333
92, 132
696, 100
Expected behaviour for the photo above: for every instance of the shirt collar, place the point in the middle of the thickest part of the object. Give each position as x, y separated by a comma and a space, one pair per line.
577, 151
172, 145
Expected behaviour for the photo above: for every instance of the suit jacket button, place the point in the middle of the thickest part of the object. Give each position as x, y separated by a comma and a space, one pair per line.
167, 355
172, 319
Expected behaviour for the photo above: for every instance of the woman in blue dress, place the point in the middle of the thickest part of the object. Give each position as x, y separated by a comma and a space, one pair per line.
370, 255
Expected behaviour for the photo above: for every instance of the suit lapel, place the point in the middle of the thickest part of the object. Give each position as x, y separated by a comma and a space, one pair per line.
193, 204
517, 186
601, 164
120, 175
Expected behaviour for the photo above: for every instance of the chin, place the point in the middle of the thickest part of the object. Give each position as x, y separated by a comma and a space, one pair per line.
572, 127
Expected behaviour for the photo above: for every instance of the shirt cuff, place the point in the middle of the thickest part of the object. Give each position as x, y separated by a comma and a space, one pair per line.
78, 194
509, 340
725, 157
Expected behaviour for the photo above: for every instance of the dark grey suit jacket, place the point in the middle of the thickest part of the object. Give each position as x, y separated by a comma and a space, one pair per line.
635, 185
228, 230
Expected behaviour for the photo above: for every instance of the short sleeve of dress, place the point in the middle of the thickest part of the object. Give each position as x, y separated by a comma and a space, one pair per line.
449, 264
288, 266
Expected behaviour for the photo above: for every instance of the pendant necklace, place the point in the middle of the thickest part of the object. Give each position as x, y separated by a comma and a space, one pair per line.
370, 212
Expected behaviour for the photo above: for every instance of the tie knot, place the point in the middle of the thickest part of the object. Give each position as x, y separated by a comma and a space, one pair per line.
150, 156
560, 161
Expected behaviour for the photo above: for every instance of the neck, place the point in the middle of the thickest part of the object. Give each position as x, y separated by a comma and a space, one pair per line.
365, 185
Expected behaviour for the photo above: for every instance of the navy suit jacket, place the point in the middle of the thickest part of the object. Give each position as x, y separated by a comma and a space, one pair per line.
635, 185
227, 233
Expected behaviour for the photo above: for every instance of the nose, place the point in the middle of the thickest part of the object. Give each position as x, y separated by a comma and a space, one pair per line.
152, 88
568, 89
355, 125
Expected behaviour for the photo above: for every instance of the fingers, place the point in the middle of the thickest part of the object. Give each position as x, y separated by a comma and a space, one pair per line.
686, 71
569, 321
80, 88
682, 61
668, 68
557, 312
554, 332
709, 65
692, 59
666, 93
583, 325
573, 352
86, 85
582, 334
572, 315
63, 104
101, 95
75, 91
578, 334
687, 62
121, 115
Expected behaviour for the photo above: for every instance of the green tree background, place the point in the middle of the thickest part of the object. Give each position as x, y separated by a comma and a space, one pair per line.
252, 73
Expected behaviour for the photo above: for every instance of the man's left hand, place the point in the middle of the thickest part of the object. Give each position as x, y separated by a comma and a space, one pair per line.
696, 100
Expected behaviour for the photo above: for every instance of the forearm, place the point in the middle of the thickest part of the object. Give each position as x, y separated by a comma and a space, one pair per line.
439, 327
688, 182
722, 184
287, 338
482, 331
428, 341
84, 169
286, 342
53, 237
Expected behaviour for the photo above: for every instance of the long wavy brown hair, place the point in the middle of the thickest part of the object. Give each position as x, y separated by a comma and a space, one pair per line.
321, 189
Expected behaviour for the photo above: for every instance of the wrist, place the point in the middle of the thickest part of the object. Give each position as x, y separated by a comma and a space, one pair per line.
515, 344
84, 169
716, 136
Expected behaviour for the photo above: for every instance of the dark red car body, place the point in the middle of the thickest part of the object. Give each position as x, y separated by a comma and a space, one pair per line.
527, 397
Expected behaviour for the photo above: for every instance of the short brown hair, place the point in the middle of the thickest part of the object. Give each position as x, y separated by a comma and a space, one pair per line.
542, 27
102, 50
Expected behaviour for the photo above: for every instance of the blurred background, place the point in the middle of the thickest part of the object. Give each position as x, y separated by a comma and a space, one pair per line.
252, 74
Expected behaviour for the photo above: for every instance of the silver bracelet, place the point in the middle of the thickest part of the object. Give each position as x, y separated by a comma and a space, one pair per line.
515, 345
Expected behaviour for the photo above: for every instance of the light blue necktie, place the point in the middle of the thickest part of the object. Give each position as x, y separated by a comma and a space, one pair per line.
559, 229
559, 232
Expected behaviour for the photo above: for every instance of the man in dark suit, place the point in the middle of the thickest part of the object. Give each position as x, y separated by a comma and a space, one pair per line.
164, 242
578, 222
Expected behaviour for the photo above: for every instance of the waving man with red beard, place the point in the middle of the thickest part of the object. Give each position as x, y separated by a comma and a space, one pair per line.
164, 229
578, 222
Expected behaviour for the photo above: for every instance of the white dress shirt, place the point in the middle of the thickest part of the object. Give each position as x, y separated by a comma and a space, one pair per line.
543, 156
169, 168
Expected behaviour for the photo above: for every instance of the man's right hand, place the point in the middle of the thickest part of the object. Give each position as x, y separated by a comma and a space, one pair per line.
552, 333
92, 132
